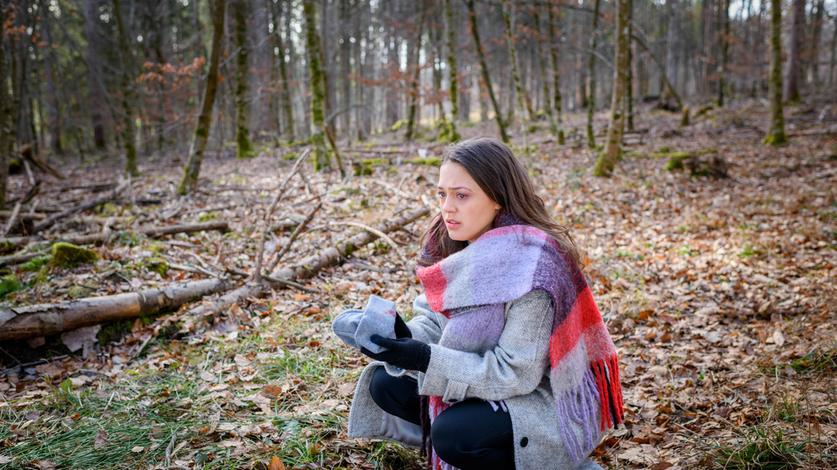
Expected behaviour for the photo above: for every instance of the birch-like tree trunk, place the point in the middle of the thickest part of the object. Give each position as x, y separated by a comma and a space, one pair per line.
193, 166
776, 133
486, 76
613, 147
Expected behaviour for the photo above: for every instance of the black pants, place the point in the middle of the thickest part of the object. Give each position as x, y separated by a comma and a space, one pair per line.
469, 434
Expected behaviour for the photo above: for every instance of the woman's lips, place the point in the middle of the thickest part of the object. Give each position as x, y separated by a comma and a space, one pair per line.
452, 224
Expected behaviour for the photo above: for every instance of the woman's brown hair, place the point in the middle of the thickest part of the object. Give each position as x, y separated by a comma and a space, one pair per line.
501, 176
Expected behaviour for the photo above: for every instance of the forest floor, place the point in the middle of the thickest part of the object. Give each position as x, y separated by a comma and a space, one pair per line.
719, 294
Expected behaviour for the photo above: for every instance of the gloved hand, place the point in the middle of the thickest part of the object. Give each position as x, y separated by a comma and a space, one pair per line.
405, 353
401, 329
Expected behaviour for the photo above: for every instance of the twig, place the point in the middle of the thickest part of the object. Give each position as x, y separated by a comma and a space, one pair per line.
380, 234
297, 230
83, 206
288, 282
12, 218
257, 270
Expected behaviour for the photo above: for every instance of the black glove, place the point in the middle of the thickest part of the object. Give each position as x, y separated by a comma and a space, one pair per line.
405, 353
401, 329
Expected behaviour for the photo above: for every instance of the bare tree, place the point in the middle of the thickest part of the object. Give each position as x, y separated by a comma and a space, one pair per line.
613, 147
794, 73
7, 130
486, 77
591, 77
320, 155
244, 148
776, 133
128, 139
193, 166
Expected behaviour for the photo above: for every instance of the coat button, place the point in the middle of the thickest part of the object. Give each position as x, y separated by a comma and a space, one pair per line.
524, 442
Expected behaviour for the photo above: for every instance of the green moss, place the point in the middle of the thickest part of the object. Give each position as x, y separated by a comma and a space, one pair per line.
35, 264
398, 125
207, 216
429, 161
675, 160
367, 165
109, 209
158, 265
67, 255
776, 138
7, 247
446, 131
684, 119
78, 292
8, 284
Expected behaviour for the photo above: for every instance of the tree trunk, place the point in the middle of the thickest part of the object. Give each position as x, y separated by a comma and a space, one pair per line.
833, 60
193, 166
486, 77
49, 319
244, 148
724, 41
345, 74
794, 73
815, 42
287, 103
629, 83
127, 93
776, 134
553, 41
591, 77
53, 101
94, 73
413, 66
7, 130
453, 70
613, 147
522, 95
320, 155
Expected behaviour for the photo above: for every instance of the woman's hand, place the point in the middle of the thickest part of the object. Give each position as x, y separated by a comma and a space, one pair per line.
405, 353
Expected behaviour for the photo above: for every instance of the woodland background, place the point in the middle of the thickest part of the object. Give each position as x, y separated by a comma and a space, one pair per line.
192, 189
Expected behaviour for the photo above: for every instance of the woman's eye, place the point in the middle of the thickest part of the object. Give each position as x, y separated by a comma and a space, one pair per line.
441, 195
461, 196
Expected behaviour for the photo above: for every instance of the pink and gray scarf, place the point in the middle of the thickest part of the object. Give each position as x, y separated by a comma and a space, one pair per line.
471, 288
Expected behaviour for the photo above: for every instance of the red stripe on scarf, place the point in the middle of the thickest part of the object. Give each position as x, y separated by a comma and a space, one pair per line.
581, 318
434, 282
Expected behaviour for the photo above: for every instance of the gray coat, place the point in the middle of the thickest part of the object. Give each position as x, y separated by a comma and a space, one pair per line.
515, 371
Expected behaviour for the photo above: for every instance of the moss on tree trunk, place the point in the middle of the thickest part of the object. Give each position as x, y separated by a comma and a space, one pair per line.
319, 153
244, 148
486, 77
127, 94
776, 133
450, 28
556, 76
613, 147
591, 78
193, 166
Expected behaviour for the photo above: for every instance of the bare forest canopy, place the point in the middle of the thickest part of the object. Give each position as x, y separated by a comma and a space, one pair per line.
190, 190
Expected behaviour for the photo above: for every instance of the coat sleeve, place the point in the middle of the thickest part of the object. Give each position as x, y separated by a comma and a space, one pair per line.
426, 325
514, 367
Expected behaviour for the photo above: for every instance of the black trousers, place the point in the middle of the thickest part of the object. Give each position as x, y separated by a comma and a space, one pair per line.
469, 434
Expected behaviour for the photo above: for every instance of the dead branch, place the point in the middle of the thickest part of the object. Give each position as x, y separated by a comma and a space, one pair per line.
297, 230
90, 203
280, 192
47, 319
95, 238
306, 268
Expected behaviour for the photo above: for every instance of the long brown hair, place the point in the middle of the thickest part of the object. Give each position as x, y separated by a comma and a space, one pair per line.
501, 176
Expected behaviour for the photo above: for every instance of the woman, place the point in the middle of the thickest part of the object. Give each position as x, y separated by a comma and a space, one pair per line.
506, 362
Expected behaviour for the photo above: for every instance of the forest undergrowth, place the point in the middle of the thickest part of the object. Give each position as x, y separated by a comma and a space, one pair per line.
718, 291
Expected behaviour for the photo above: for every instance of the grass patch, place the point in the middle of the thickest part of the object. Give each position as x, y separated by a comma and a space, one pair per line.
815, 362
8, 284
762, 449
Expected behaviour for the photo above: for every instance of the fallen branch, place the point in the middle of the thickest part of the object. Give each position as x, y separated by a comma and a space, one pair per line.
306, 268
280, 193
297, 230
93, 238
90, 203
47, 319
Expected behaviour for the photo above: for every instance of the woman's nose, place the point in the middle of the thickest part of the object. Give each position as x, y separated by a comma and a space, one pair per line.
448, 205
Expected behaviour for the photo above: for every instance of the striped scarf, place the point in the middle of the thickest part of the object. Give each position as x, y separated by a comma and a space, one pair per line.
471, 288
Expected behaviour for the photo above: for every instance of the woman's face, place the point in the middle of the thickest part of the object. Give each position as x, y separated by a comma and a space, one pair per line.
466, 209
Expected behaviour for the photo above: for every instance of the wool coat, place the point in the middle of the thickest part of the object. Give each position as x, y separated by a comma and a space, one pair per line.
516, 371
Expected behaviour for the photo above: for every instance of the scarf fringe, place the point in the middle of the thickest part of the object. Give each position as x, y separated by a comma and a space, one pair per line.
577, 407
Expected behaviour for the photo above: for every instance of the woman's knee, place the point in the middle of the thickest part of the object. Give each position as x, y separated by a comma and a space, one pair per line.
379, 387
